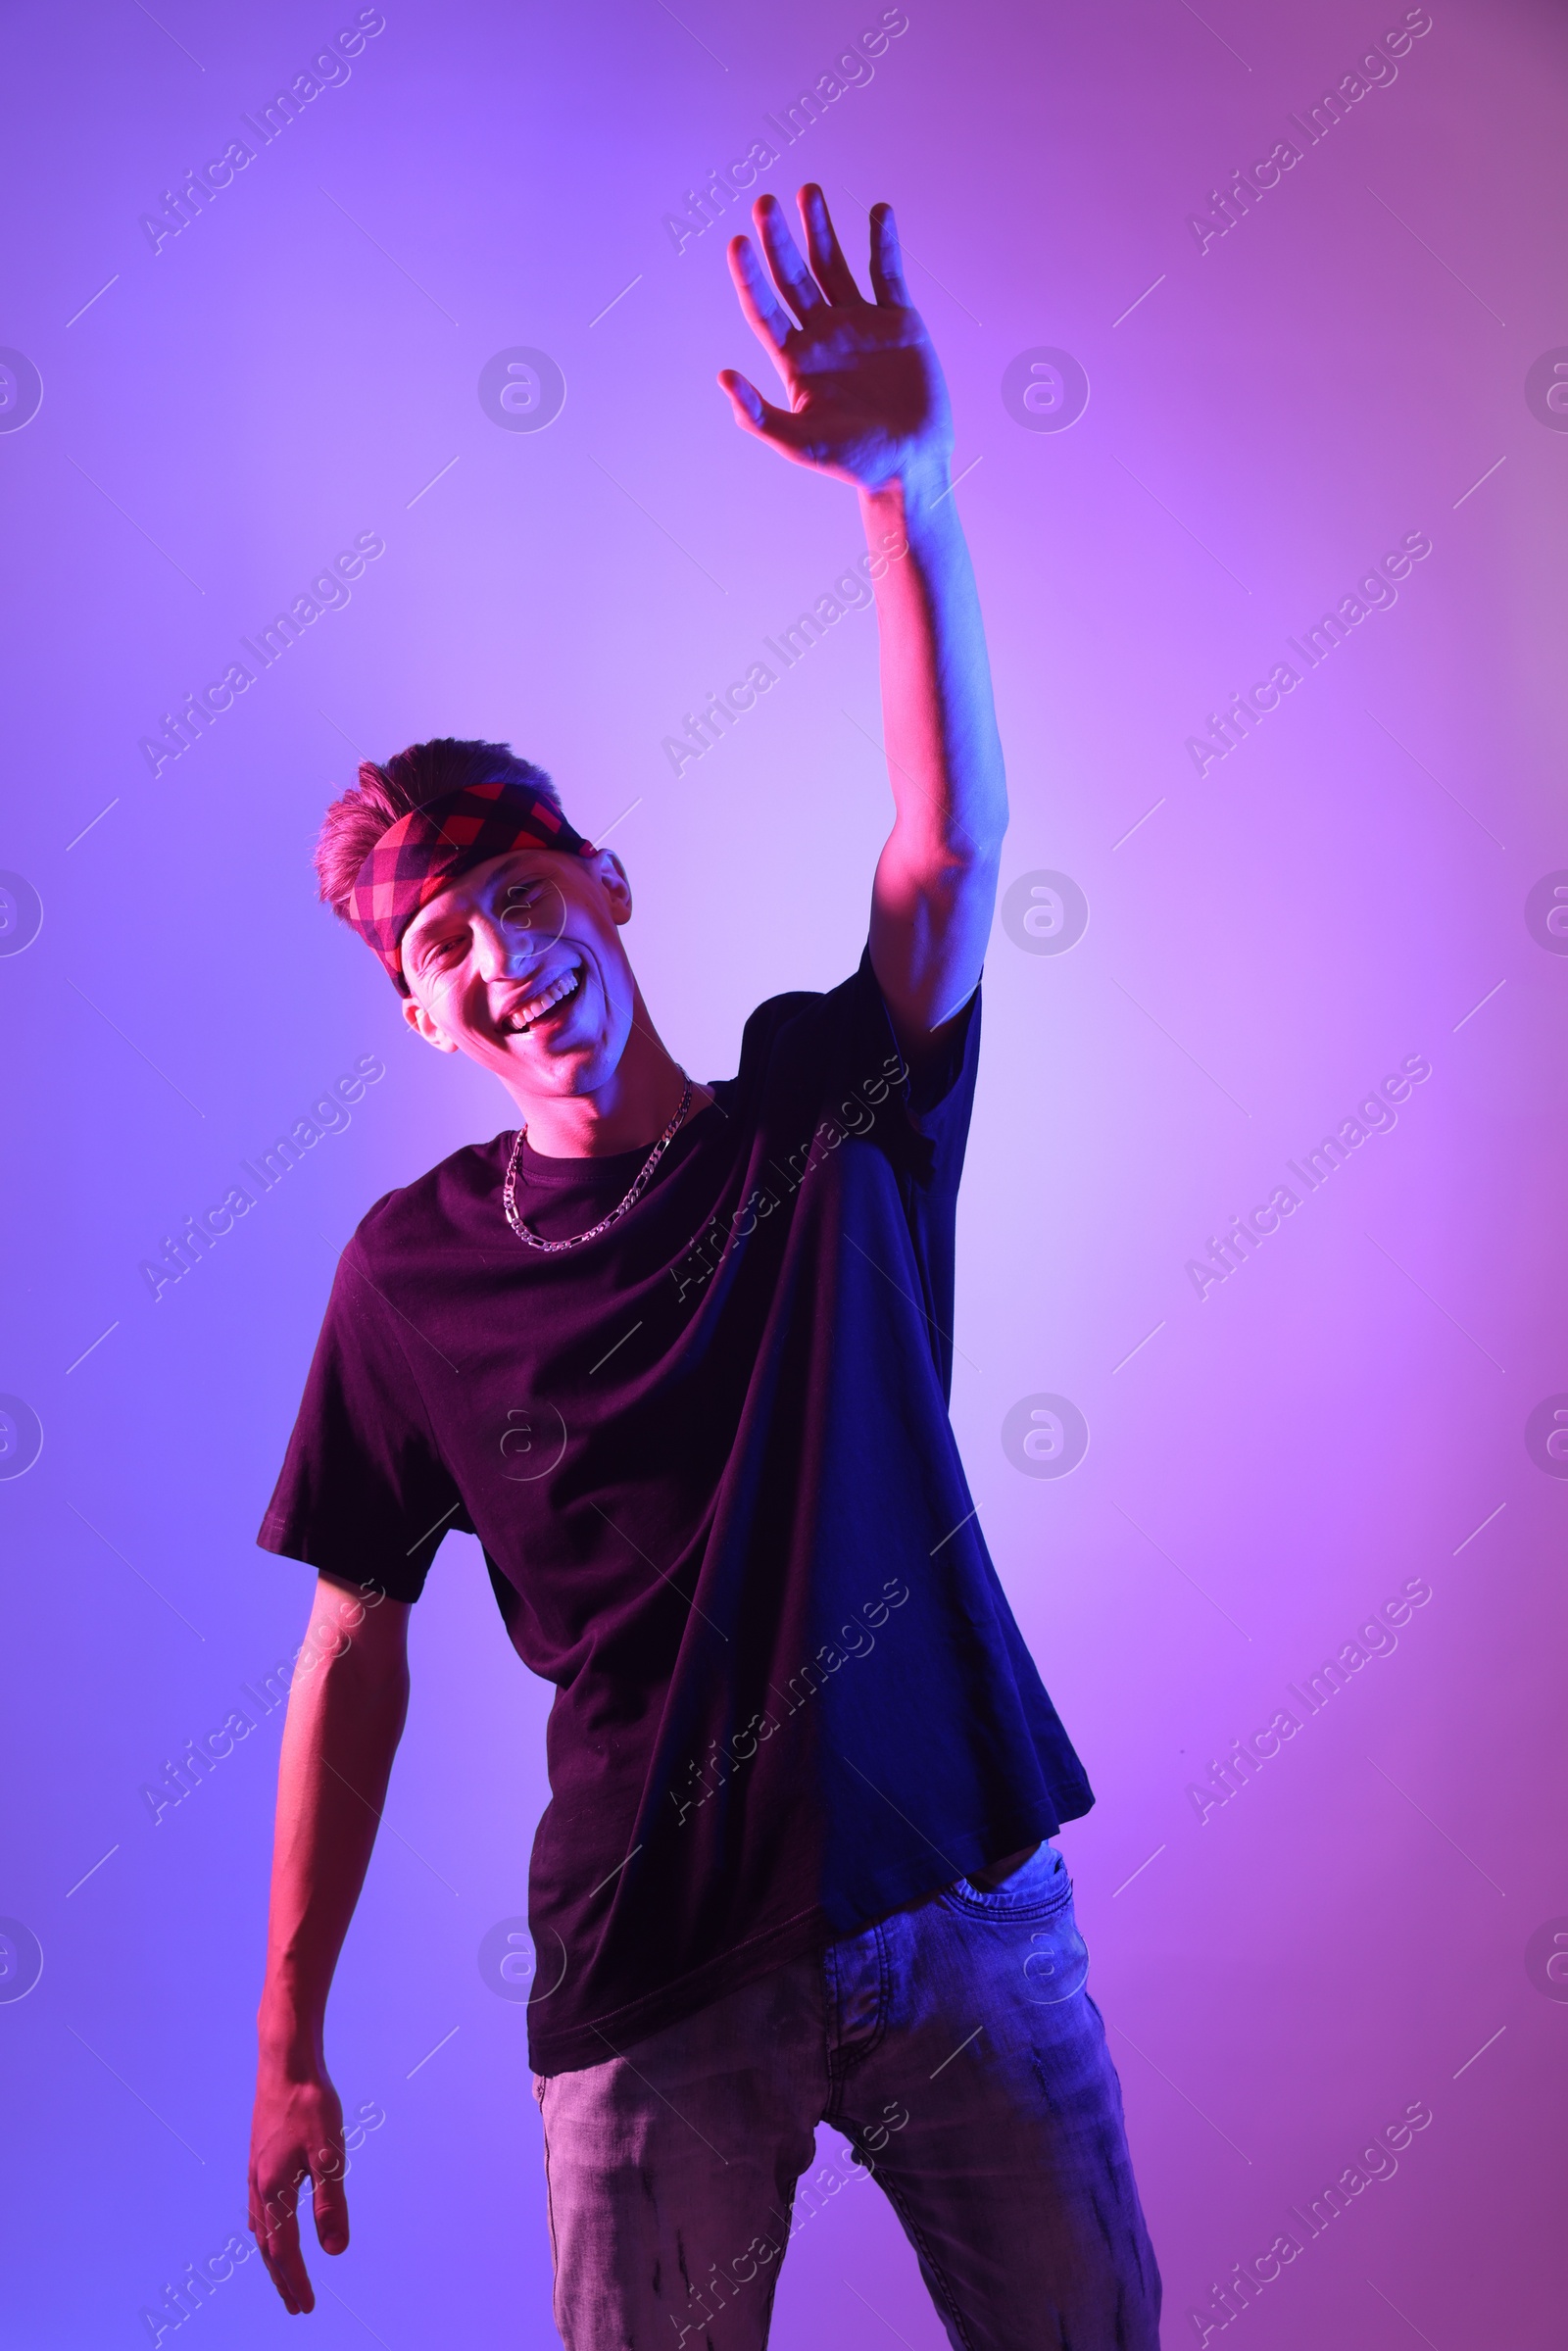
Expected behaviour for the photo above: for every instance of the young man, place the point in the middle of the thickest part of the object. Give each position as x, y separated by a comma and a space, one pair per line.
680, 1355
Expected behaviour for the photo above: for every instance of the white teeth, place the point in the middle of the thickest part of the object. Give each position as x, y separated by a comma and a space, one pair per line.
525, 1014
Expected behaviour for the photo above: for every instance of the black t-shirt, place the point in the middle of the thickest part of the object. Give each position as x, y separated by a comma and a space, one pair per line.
709, 1458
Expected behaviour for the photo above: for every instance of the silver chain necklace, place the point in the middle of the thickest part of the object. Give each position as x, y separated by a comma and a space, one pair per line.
575, 1240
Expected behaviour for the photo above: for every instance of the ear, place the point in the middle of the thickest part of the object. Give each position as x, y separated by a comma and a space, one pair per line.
422, 1025
612, 876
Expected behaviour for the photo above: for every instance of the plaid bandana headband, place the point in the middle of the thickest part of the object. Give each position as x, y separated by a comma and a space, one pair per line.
417, 857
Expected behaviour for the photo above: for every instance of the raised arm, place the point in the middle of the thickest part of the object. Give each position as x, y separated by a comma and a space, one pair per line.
867, 406
345, 1709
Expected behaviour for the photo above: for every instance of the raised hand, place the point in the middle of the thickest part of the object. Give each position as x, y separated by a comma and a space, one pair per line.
866, 401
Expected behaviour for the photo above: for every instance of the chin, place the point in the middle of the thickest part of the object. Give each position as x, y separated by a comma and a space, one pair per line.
569, 1065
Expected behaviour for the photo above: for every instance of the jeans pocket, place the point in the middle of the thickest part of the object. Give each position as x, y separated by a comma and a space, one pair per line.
1055, 1966
1037, 1889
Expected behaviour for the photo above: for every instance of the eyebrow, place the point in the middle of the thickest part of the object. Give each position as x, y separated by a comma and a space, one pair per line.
422, 934
420, 931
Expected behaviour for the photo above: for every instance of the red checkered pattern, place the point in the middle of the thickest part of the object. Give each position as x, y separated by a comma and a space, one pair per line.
418, 856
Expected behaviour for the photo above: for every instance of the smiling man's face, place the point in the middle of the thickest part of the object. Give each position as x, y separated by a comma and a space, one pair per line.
519, 964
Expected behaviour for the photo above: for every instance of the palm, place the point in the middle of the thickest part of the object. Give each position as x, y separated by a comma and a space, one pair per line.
866, 399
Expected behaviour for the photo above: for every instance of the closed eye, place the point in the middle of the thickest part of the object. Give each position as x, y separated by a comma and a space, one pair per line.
438, 950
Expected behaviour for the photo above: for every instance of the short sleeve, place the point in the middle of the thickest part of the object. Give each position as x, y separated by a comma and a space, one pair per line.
936, 1101
921, 1119
363, 1495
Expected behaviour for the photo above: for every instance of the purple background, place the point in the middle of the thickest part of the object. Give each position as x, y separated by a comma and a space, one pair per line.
1347, 887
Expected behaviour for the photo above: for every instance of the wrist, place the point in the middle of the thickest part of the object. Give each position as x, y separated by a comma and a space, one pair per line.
288, 2040
912, 504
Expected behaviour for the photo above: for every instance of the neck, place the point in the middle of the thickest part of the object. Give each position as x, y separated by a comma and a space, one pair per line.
629, 1111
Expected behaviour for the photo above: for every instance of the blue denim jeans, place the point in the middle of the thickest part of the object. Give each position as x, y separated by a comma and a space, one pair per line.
955, 2045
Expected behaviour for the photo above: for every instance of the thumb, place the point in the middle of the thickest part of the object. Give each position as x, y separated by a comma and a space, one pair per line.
754, 414
745, 398
331, 2208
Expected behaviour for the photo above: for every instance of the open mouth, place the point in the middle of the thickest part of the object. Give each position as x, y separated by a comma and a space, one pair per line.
545, 1004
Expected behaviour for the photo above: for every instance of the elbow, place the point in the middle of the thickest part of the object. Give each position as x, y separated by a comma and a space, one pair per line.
967, 840
363, 1639
969, 864
946, 851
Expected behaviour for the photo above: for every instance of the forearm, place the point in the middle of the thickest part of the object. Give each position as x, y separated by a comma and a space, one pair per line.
944, 752
936, 878
345, 1718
